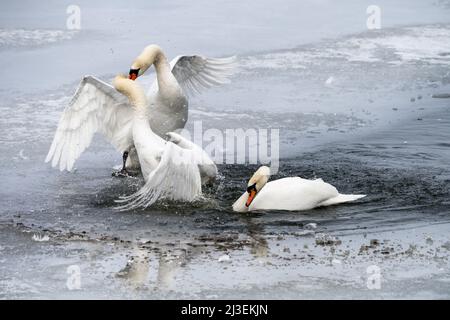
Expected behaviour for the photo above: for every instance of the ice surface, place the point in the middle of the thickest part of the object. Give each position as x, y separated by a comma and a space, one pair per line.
32, 38
354, 107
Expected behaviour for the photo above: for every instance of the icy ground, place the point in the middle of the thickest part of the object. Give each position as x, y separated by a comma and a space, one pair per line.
354, 107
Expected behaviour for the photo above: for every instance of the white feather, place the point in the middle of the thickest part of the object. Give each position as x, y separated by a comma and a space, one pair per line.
95, 107
175, 178
195, 73
292, 193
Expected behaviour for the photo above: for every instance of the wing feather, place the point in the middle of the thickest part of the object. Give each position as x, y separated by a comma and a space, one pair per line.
95, 107
195, 73
177, 177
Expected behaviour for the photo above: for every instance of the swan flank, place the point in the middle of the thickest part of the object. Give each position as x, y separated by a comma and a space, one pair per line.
98, 107
170, 171
293, 193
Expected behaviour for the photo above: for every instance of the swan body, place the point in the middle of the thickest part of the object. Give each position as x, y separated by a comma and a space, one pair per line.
208, 169
97, 107
170, 171
292, 193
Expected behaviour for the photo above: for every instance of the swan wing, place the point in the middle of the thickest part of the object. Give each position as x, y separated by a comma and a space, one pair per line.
95, 107
208, 169
195, 73
176, 177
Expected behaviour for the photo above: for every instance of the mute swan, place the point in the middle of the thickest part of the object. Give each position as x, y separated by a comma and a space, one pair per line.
170, 171
293, 193
98, 107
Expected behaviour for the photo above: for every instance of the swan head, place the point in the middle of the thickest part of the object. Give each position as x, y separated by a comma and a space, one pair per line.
122, 84
144, 61
132, 90
256, 183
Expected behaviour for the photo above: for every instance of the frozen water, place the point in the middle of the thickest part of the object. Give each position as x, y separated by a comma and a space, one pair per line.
354, 107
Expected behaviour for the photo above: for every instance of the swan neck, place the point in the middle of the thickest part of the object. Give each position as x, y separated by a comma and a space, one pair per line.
159, 60
153, 55
167, 83
133, 91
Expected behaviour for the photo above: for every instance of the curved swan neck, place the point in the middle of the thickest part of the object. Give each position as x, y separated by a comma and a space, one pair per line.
257, 182
260, 178
153, 55
159, 59
133, 91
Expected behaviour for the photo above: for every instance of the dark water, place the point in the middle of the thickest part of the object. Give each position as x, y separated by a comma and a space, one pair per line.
407, 186
404, 180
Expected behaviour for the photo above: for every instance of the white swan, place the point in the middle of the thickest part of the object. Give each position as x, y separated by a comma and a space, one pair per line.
98, 107
170, 171
293, 193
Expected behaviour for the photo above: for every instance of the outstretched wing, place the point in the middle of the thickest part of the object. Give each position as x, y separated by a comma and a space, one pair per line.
95, 107
176, 177
195, 73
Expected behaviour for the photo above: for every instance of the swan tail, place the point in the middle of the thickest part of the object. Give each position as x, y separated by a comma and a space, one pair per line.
177, 177
341, 198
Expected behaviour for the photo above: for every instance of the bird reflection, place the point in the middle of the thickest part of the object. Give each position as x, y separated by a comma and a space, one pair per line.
155, 267
259, 247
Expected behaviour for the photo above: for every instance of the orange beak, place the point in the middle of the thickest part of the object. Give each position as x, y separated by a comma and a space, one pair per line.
132, 76
251, 196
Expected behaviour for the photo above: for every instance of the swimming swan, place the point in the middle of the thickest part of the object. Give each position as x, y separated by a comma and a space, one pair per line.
293, 193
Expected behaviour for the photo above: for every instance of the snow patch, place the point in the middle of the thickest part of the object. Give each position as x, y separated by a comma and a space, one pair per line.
40, 238
36, 37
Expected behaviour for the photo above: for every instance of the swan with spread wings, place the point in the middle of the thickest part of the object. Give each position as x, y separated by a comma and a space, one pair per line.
98, 107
